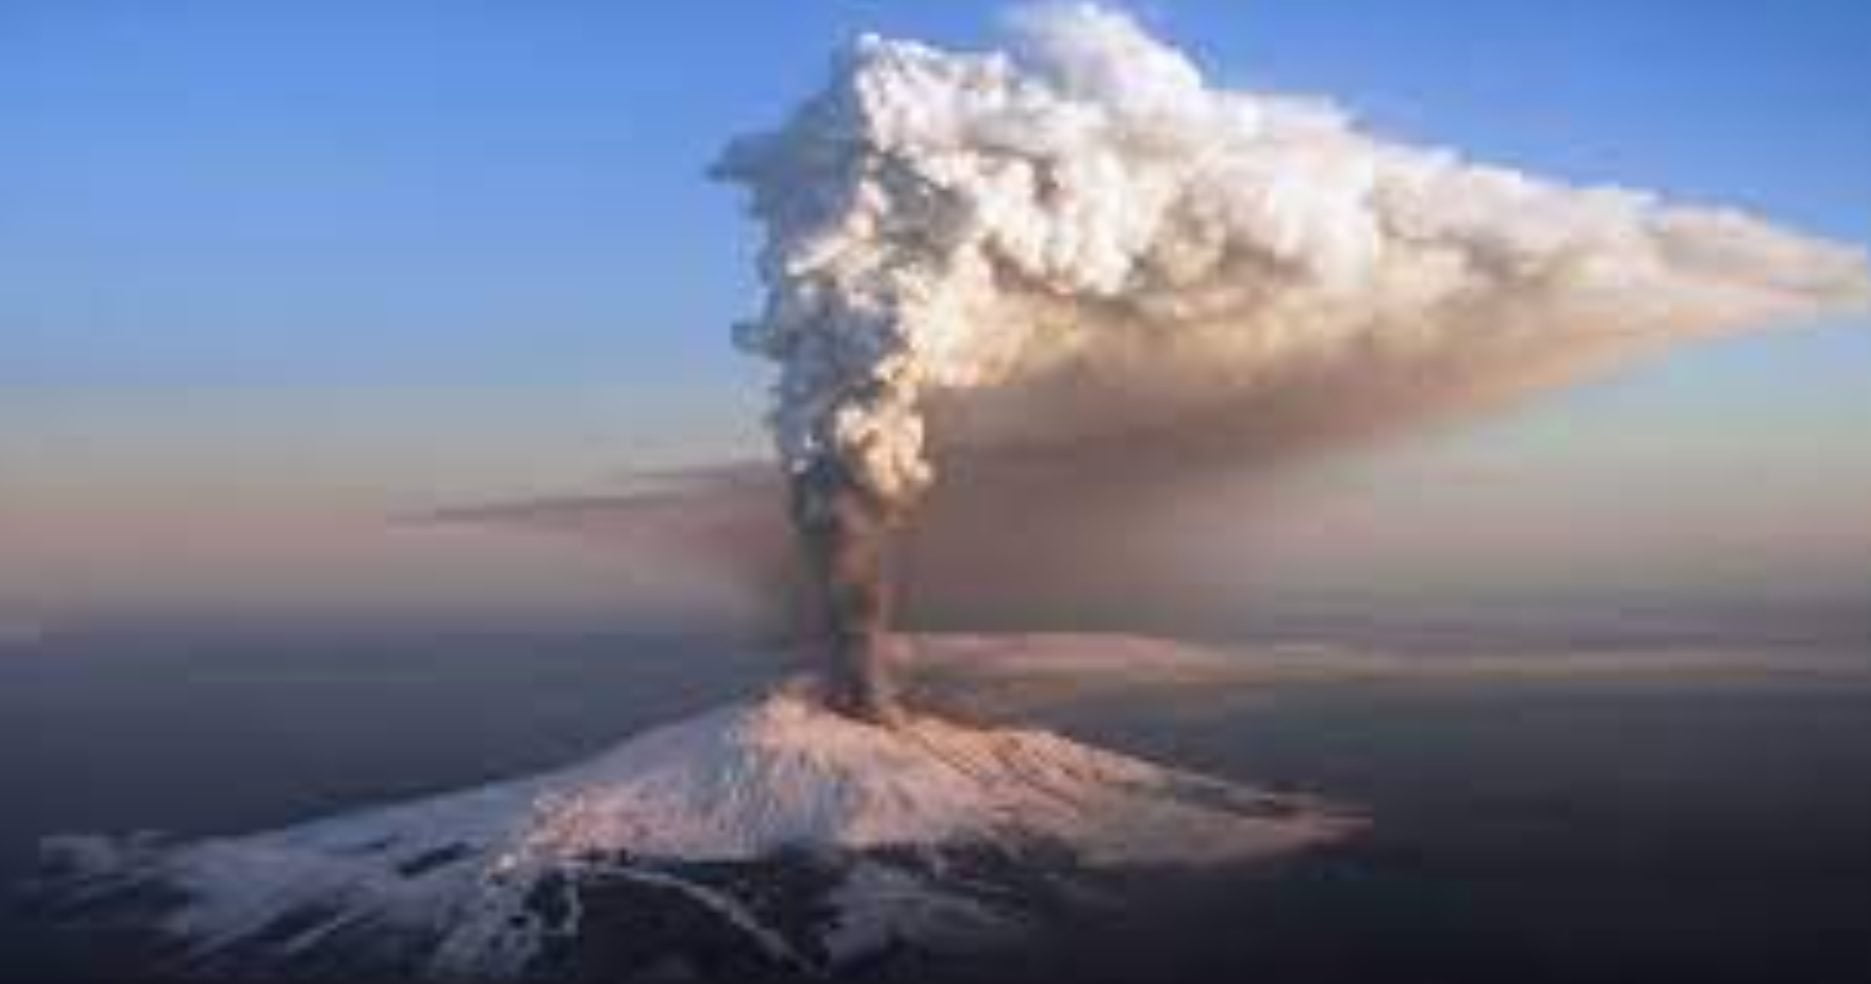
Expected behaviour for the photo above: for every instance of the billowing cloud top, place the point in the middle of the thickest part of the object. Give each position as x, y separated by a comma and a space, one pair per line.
1086, 207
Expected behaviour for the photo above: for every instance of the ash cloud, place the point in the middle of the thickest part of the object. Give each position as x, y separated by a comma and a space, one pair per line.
1076, 273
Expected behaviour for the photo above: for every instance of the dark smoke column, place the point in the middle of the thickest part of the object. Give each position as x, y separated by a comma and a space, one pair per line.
845, 533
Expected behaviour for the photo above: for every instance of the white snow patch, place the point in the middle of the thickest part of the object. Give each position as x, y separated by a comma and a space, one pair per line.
878, 905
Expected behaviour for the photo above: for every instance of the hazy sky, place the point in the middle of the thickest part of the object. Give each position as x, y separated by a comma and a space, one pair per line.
273, 273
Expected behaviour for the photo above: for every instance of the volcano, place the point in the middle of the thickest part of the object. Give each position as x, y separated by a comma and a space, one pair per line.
769, 838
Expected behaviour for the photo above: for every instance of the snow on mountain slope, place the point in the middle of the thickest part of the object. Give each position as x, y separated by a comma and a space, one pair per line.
807, 838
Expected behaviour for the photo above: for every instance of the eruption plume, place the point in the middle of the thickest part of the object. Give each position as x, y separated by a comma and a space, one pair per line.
1163, 267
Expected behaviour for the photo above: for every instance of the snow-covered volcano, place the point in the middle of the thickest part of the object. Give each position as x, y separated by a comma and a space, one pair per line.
761, 837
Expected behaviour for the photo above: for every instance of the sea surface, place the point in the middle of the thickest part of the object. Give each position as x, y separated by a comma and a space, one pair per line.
1598, 827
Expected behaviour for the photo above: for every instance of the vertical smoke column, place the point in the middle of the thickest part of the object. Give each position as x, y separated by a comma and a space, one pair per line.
844, 416
838, 322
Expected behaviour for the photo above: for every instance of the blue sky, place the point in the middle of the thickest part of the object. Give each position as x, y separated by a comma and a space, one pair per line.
466, 237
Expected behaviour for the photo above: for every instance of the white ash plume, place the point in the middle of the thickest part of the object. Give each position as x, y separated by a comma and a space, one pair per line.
1084, 215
